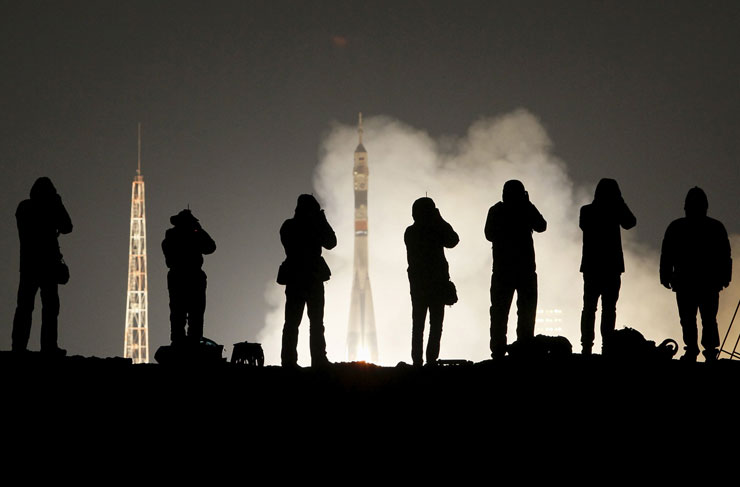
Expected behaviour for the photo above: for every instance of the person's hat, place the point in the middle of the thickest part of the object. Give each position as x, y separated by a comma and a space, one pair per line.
185, 216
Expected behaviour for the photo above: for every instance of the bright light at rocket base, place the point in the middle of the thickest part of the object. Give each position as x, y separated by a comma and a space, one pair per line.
465, 178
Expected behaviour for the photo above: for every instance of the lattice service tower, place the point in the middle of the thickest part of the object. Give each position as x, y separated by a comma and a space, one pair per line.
362, 342
136, 341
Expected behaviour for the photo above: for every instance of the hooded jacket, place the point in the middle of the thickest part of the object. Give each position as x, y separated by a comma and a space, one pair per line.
425, 242
509, 228
696, 254
40, 220
186, 242
602, 237
303, 237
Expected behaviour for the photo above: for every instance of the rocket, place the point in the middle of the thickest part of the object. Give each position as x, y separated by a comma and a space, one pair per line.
362, 344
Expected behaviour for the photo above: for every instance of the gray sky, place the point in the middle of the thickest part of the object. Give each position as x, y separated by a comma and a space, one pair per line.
235, 98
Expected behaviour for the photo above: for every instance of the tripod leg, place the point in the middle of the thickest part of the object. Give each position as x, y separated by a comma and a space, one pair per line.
721, 348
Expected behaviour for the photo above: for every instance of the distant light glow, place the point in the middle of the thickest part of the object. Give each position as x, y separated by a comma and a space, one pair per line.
549, 322
339, 41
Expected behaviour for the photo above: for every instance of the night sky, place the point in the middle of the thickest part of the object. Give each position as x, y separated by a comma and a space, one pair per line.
235, 99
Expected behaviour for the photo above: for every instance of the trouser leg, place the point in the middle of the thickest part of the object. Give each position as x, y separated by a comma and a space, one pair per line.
418, 319
502, 293
708, 307
609, 296
526, 304
588, 315
317, 340
687, 308
178, 308
196, 308
294, 306
49, 314
27, 288
436, 317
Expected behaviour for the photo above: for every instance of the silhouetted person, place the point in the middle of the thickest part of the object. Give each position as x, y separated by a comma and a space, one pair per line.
40, 220
602, 263
695, 261
304, 272
429, 275
184, 246
509, 228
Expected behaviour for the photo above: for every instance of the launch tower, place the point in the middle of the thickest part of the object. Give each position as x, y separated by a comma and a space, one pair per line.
136, 340
361, 340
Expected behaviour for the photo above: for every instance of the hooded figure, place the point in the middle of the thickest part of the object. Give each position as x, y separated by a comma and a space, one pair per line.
428, 274
696, 263
303, 273
509, 228
602, 263
41, 219
184, 246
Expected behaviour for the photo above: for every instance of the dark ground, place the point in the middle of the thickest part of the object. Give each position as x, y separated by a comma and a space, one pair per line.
543, 389
572, 408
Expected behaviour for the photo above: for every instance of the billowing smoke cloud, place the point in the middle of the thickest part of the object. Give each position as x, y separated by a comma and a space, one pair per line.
464, 177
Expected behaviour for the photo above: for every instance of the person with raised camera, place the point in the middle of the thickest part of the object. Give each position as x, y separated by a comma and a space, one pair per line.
41, 219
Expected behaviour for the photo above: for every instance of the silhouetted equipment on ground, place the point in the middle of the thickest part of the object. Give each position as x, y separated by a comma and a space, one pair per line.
303, 272
453, 362
541, 346
629, 344
204, 352
696, 263
509, 227
40, 220
184, 246
734, 353
602, 261
248, 354
429, 276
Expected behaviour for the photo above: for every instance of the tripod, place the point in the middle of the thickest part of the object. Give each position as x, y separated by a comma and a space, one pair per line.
734, 352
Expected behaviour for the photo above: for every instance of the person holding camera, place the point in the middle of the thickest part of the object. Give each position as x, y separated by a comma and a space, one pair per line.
184, 246
303, 273
602, 262
509, 228
429, 277
41, 219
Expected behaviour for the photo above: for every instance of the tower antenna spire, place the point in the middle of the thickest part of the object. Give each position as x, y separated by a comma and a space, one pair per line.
138, 168
359, 128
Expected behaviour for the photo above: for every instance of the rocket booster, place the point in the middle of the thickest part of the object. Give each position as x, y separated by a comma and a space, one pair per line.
361, 337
